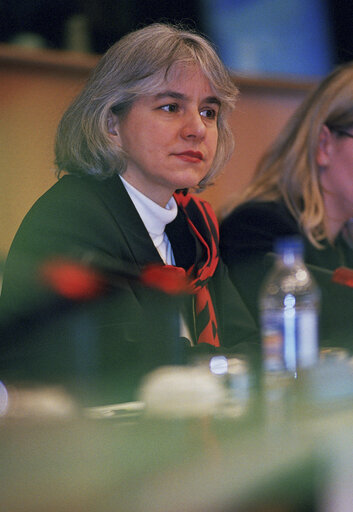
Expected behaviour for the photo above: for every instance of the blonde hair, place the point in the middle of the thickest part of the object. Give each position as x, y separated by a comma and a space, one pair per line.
288, 170
134, 66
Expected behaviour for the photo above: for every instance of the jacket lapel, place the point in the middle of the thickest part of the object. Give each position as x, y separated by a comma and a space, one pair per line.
137, 239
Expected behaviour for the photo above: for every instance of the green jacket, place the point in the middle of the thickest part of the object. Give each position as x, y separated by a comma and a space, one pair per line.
127, 331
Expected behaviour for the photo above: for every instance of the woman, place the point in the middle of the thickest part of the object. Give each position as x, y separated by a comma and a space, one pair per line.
303, 185
149, 125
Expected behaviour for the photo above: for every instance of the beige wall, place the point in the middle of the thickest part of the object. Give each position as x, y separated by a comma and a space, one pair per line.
262, 110
35, 88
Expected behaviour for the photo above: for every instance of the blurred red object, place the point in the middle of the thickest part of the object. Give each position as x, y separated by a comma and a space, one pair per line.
78, 281
72, 280
166, 278
344, 276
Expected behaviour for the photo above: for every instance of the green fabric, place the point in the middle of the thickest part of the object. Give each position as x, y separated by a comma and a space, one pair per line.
132, 328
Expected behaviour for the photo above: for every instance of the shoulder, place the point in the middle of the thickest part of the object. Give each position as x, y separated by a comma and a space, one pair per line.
72, 197
261, 212
71, 187
254, 225
73, 210
271, 216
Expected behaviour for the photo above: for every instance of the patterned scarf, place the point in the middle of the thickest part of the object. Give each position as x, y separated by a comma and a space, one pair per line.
203, 224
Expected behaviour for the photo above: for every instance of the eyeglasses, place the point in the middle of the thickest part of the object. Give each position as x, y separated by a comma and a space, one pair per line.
342, 132
346, 134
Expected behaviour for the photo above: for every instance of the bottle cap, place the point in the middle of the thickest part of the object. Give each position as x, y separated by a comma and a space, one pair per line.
290, 243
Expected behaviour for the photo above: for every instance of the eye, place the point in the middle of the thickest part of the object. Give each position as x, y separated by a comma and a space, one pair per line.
170, 107
209, 113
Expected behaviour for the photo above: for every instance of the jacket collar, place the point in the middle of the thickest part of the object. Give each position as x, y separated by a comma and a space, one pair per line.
130, 224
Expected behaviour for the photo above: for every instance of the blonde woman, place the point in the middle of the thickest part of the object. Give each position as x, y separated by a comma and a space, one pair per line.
303, 185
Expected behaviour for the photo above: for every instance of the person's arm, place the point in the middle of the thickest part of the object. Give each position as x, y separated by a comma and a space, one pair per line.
65, 221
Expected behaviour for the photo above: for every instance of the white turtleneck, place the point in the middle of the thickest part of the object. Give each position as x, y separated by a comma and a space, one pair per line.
155, 219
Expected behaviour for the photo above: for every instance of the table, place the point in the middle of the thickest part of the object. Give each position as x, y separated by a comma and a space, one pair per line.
77, 463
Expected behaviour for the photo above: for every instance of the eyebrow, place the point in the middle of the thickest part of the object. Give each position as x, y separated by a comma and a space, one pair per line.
180, 96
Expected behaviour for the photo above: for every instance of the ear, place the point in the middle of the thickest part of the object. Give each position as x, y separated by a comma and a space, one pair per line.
324, 148
113, 125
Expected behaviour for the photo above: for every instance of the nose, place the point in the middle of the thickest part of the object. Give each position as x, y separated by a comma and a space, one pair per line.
193, 127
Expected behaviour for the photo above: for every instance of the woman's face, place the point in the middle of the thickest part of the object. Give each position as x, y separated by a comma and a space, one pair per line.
171, 136
336, 177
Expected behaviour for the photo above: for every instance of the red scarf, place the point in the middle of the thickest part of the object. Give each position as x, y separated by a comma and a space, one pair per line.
203, 223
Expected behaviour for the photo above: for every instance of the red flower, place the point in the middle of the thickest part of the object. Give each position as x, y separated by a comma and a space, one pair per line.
166, 278
343, 275
72, 280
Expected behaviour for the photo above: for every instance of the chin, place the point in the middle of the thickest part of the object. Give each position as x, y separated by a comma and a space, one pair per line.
189, 182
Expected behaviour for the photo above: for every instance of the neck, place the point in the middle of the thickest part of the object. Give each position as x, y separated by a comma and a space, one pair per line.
157, 194
337, 214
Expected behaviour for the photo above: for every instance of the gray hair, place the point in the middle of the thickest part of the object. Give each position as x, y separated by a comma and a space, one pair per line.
134, 66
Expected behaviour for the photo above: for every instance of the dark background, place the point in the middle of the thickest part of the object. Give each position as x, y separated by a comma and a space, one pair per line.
341, 19
108, 20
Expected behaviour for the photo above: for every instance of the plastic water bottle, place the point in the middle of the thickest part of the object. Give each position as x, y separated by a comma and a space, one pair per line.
289, 309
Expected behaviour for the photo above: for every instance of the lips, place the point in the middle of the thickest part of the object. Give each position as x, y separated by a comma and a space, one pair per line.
190, 156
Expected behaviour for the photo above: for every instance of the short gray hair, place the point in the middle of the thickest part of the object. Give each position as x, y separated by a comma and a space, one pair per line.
134, 66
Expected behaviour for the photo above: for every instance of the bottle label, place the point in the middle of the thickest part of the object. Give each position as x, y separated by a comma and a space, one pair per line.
290, 339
